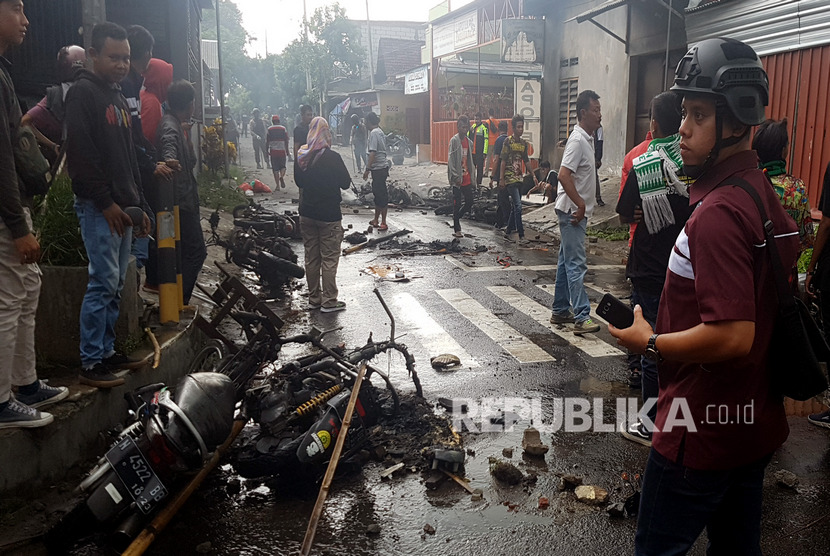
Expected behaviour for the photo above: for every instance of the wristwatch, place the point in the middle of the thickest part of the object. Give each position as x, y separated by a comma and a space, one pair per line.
652, 353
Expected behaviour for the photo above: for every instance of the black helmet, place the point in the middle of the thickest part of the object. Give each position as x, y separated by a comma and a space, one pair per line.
728, 69
355, 119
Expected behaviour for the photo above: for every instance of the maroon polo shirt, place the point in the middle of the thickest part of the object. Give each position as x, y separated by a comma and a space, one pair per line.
718, 271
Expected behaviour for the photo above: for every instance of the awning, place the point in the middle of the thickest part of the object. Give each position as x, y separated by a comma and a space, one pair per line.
502, 69
601, 9
610, 5
696, 5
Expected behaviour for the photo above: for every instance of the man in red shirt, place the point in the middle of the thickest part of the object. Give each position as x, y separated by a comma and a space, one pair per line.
277, 139
718, 419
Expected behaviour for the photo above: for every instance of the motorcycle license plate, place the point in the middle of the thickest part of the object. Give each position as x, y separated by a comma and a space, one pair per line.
136, 474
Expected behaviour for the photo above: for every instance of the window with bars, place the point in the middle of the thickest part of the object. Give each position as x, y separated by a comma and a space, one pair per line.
568, 91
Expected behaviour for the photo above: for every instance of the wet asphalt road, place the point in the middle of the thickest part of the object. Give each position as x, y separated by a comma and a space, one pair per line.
430, 315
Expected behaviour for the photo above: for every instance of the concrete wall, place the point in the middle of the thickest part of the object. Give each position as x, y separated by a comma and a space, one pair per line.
391, 29
393, 105
603, 67
57, 336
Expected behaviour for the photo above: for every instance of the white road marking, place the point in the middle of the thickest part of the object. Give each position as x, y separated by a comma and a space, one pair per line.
538, 268
433, 337
507, 337
548, 288
589, 343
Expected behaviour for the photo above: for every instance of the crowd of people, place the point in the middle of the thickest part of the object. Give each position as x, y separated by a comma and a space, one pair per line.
123, 125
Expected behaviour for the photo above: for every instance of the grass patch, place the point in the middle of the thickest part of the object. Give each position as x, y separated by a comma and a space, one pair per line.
57, 228
217, 192
609, 234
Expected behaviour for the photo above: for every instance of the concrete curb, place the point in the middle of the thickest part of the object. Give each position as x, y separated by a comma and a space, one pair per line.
32, 458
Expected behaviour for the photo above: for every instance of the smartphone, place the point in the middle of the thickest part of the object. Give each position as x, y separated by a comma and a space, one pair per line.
615, 311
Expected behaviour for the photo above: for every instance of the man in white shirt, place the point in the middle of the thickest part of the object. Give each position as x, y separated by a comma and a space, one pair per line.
575, 201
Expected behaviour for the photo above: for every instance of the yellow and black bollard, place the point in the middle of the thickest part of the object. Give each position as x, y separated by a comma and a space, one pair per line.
167, 239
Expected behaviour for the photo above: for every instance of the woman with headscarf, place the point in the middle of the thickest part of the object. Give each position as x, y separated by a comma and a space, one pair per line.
320, 174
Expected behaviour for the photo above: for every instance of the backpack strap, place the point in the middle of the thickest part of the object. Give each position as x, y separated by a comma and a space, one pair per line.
782, 284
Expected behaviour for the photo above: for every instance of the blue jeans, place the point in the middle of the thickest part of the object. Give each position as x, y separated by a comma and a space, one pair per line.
677, 503
108, 258
649, 302
569, 293
514, 221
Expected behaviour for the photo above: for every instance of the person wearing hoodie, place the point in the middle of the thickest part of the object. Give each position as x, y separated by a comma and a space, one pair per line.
102, 163
157, 78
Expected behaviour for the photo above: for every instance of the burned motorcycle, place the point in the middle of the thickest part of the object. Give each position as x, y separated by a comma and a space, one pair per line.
171, 435
271, 258
267, 222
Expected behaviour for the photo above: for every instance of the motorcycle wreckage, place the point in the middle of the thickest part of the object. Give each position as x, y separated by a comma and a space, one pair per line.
298, 406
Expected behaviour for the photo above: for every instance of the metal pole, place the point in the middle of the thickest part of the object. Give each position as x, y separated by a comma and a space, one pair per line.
221, 93
371, 56
668, 45
305, 38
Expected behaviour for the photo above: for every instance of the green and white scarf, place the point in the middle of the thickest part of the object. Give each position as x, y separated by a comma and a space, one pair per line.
657, 178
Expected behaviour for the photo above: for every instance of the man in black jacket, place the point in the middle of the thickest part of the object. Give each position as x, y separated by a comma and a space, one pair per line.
19, 252
105, 178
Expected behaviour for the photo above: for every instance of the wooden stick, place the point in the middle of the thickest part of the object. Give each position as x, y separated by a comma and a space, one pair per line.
156, 347
148, 535
459, 480
335, 458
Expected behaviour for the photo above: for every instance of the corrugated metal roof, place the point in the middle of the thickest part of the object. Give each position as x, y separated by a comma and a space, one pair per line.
769, 26
696, 5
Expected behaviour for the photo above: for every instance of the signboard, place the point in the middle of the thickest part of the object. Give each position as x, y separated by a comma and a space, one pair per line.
522, 40
417, 81
460, 33
364, 100
528, 98
533, 135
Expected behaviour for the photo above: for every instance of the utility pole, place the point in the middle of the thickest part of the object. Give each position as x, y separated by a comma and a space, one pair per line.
305, 35
221, 91
369, 30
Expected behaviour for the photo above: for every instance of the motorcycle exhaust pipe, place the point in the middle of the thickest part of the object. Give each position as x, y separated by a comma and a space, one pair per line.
127, 531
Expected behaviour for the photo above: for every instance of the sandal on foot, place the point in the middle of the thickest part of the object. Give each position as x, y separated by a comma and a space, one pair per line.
383, 227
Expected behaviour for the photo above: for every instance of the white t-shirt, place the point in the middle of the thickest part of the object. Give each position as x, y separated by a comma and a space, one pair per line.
579, 159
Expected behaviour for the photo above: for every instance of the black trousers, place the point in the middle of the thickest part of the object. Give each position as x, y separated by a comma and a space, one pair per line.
478, 160
462, 201
194, 251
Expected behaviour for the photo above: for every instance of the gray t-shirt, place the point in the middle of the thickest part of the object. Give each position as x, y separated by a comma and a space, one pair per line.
377, 143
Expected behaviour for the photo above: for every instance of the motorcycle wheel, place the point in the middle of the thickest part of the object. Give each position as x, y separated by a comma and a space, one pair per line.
407, 150
209, 359
416, 199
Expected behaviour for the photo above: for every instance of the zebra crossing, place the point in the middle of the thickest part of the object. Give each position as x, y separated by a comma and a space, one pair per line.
416, 319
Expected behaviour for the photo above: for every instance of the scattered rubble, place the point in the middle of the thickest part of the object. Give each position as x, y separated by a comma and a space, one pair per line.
532, 443
507, 452
429, 529
543, 503
506, 472
592, 495
786, 479
445, 361
569, 482
477, 496
386, 473
356, 237
616, 510
373, 529
204, 548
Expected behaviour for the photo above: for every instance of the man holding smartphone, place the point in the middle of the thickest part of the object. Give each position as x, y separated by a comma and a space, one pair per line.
715, 321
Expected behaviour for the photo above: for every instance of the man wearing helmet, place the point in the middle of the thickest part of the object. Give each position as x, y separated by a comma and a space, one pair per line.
718, 420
